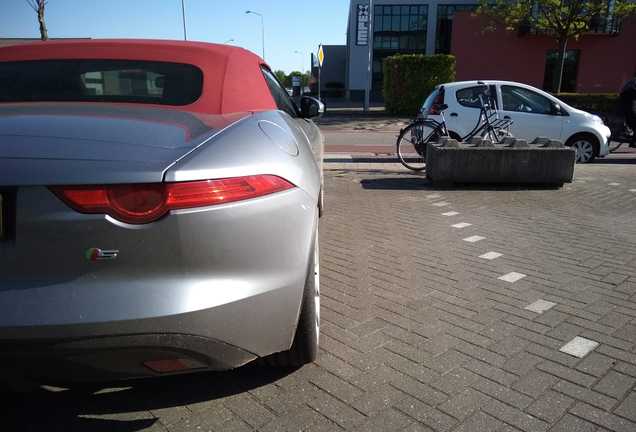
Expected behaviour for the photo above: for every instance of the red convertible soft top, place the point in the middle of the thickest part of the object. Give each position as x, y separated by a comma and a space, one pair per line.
232, 77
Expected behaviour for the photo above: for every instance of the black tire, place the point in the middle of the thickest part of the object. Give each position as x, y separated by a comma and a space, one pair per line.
586, 146
411, 144
304, 348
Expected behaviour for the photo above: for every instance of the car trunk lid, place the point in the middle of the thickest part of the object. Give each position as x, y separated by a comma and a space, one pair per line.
68, 143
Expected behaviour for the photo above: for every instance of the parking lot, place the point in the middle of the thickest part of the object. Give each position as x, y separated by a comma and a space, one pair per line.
443, 309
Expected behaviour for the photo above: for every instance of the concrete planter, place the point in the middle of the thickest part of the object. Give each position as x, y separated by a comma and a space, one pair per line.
515, 162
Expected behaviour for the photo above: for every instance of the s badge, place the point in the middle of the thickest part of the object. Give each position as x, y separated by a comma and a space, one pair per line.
96, 254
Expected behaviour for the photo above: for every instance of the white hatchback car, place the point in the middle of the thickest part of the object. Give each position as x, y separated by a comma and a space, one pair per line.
534, 113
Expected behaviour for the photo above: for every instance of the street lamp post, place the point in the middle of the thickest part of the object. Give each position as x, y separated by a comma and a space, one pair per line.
367, 93
262, 28
183, 17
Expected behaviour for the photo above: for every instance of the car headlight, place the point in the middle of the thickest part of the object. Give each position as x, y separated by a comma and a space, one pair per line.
597, 119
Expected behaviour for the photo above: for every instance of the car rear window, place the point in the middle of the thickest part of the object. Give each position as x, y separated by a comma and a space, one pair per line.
435, 98
149, 82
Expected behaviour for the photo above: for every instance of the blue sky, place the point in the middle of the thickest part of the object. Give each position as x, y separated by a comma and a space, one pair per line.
289, 25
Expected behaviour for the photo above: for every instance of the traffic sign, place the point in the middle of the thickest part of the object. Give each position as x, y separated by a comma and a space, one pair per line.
321, 55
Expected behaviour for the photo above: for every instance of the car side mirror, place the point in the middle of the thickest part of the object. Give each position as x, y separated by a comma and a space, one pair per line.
556, 109
311, 107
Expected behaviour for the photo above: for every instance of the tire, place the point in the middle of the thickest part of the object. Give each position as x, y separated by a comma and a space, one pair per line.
586, 147
321, 203
411, 144
304, 348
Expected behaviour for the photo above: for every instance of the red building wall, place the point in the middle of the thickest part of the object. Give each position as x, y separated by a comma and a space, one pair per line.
605, 62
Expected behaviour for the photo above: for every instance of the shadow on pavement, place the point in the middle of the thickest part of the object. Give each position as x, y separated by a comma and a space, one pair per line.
125, 409
615, 161
407, 183
421, 183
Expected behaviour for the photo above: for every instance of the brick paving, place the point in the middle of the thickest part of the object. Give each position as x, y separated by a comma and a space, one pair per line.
418, 332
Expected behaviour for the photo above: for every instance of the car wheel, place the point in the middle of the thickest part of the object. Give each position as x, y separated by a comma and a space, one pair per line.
304, 348
584, 146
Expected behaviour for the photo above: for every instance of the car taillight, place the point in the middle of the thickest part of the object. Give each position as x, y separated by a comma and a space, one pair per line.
147, 202
437, 103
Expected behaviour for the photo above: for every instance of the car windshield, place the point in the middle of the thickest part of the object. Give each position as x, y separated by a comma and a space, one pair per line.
100, 81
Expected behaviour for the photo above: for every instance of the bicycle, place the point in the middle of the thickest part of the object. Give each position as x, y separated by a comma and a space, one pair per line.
412, 141
621, 134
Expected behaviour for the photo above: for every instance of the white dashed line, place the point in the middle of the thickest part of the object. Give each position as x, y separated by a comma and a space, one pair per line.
453, 213
461, 225
632, 190
491, 255
540, 306
474, 239
579, 347
441, 204
512, 277
433, 196
613, 184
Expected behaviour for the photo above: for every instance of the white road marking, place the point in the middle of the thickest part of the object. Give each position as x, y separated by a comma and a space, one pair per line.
579, 347
491, 255
441, 204
632, 190
433, 196
512, 277
474, 239
540, 306
613, 184
461, 225
453, 213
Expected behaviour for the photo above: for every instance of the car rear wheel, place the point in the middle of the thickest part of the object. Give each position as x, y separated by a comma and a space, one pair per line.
304, 349
585, 147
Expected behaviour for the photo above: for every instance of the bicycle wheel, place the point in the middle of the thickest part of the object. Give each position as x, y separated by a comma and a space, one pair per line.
412, 142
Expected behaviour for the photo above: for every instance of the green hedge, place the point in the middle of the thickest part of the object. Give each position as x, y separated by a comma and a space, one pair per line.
409, 78
592, 102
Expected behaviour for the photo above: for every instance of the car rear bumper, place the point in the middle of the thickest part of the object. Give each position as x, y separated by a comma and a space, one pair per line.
222, 287
149, 347
113, 358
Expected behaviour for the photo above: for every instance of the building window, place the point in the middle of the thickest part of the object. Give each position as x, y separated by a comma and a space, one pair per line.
443, 36
570, 70
396, 29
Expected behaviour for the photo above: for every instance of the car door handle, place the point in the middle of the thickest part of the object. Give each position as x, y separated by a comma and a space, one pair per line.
454, 115
506, 117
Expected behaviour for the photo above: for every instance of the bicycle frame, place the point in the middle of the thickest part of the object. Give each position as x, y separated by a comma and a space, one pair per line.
488, 121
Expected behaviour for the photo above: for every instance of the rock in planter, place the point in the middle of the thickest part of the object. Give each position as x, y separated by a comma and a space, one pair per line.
542, 162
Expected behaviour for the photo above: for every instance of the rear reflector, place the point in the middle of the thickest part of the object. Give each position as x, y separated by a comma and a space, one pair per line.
144, 203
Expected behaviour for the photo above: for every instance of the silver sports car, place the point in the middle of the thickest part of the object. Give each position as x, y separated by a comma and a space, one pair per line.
159, 207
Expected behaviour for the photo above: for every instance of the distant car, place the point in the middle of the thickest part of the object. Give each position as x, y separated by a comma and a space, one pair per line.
160, 205
534, 113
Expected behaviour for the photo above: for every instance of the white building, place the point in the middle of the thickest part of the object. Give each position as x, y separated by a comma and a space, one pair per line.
399, 26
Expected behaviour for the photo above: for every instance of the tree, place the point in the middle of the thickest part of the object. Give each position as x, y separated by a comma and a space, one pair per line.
38, 6
304, 78
281, 75
563, 20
